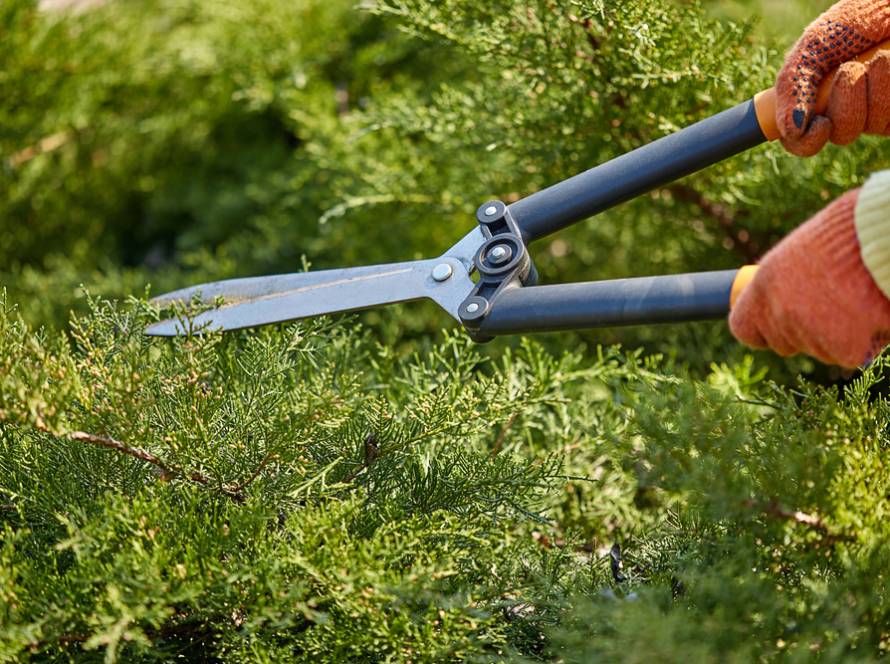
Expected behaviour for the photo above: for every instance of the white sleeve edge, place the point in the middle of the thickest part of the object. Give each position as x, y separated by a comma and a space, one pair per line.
873, 228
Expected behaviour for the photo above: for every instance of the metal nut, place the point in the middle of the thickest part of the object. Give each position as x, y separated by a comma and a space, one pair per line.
490, 211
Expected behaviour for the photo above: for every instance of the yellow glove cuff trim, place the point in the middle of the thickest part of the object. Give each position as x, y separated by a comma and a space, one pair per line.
873, 228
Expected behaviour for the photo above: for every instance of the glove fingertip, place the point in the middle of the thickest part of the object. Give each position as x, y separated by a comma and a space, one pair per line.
744, 327
793, 119
811, 142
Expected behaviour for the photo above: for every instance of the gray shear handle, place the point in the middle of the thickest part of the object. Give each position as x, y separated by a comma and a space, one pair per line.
654, 165
628, 176
645, 300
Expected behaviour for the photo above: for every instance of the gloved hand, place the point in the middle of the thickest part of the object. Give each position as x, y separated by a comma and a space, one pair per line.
860, 98
814, 293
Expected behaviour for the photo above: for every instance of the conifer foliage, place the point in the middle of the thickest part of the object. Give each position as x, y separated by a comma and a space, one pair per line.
302, 493
374, 488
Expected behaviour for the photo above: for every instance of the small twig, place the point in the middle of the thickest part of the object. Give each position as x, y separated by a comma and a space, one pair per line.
372, 453
775, 510
588, 31
47, 144
66, 639
560, 543
592, 41
135, 452
499, 442
167, 472
341, 97
265, 462
758, 402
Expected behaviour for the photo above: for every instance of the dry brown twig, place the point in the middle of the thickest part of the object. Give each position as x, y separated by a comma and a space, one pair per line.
166, 471
271, 456
775, 510
46, 144
502, 435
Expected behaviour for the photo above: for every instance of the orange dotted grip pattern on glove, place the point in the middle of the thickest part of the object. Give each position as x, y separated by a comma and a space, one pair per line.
765, 102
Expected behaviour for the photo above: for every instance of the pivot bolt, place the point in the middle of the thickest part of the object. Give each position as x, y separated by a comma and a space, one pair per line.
490, 211
472, 308
498, 253
442, 272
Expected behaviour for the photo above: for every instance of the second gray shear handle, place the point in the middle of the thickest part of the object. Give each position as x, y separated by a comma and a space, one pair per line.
643, 300
630, 175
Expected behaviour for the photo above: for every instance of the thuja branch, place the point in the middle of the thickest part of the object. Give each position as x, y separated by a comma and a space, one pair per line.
135, 452
167, 472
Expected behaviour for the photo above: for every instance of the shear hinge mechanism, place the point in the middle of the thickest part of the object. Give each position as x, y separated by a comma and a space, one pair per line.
502, 263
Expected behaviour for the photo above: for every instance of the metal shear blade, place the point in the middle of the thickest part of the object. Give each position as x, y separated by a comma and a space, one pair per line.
263, 300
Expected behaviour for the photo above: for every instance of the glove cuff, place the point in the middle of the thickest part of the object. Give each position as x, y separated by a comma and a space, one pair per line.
873, 228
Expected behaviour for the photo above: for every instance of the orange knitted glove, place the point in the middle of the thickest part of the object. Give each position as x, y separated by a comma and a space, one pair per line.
860, 98
813, 294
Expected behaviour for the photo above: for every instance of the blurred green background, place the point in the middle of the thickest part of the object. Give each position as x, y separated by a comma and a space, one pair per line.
170, 142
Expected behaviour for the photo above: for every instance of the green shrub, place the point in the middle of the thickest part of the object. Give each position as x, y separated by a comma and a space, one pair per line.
302, 492
372, 488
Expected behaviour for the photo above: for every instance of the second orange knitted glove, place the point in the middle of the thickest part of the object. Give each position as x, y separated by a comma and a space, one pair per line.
860, 99
813, 294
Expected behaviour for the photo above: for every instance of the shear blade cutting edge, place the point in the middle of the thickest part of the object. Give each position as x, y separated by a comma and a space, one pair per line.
263, 300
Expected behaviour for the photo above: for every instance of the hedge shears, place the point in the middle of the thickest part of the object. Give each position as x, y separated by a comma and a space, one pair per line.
505, 299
